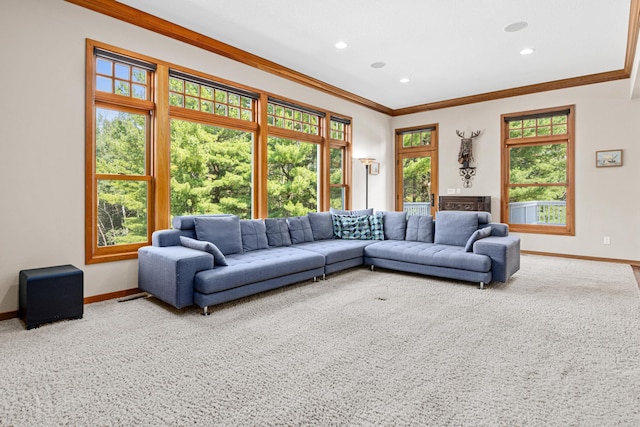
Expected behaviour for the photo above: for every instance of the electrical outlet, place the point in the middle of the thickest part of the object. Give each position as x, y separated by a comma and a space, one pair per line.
451, 191
457, 191
607, 240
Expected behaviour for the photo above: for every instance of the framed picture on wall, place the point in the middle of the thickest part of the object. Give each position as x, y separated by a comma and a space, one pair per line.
608, 158
374, 168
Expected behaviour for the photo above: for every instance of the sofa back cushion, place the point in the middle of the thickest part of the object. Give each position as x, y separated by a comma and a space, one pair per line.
254, 234
455, 227
420, 228
223, 231
277, 232
187, 222
351, 213
300, 229
395, 225
321, 225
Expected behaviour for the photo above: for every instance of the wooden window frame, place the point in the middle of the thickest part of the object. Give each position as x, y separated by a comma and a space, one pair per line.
344, 144
403, 152
507, 143
158, 153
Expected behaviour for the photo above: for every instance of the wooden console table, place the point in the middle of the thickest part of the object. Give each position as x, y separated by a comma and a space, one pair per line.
464, 203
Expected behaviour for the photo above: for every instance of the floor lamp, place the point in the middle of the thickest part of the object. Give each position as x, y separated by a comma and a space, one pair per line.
366, 161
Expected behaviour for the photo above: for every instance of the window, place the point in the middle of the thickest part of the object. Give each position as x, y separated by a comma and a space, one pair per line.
340, 136
537, 171
118, 156
162, 140
417, 170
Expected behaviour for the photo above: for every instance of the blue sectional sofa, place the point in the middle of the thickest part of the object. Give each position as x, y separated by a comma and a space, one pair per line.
211, 259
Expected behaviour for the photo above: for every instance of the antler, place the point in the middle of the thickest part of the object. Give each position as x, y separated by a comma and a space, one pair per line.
474, 134
460, 134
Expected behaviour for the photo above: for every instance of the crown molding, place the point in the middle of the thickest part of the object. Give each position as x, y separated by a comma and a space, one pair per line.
150, 22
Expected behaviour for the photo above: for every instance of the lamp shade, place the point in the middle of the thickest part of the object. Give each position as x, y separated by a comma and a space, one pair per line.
366, 160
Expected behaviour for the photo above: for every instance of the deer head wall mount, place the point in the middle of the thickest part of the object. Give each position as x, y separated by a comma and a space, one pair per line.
465, 156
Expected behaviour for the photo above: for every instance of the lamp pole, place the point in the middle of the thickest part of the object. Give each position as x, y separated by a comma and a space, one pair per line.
366, 161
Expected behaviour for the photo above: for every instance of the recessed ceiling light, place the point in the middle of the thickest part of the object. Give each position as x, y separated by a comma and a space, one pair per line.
378, 65
341, 45
516, 26
527, 51
404, 80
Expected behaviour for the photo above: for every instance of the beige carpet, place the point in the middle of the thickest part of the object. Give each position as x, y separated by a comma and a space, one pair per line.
556, 346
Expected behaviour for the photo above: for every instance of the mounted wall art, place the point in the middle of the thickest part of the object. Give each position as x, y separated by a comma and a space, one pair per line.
608, 158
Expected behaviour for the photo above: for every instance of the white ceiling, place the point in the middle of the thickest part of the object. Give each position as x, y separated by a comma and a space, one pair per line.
447, 48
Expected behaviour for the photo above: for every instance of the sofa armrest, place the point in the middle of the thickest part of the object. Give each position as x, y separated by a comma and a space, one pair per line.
168, 272
162, 238
504, 253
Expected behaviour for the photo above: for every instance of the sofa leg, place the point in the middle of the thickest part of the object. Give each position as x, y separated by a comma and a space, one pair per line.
315, 279
324, 276
373, 267
205, 310
481, 285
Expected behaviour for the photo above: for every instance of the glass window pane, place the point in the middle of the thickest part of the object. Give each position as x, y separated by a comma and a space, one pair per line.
234, 112
292, 177
221, 109
337, 165
104, 66
337, 197
538, 164
176, 85
176, 100
122, 88
104, 84
234, 99
139, 91
221, 96
206, 106
246, 102
246, 115
192, 103
211, 170
139, 76
543, 205
416, 180
206, 92
122, 212
120, 142
192, 89
123, 71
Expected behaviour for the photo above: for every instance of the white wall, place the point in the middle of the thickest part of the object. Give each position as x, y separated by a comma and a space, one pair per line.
606, 202
42, 141
42, 133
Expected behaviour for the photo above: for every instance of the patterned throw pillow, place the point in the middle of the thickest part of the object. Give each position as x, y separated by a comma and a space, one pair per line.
377, 226
351, 227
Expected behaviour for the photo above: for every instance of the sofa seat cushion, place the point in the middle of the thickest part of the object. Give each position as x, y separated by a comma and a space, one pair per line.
337, 250
429, 254
256, 266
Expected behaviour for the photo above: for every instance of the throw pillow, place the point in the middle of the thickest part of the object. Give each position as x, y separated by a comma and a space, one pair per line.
300, 229
201, 245
254, 234
477, 235
395, 224
277, 232
420, 228
354, 227
321, 225
454, 228
377, 226
353, 213
224, 232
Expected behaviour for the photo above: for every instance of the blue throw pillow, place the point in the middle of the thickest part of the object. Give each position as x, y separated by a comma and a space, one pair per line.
201, 245
455, 227
377, 226
300, 229
321, 225
277, 232
254, 235
224, 232
420, 228
477, 235
395, 225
